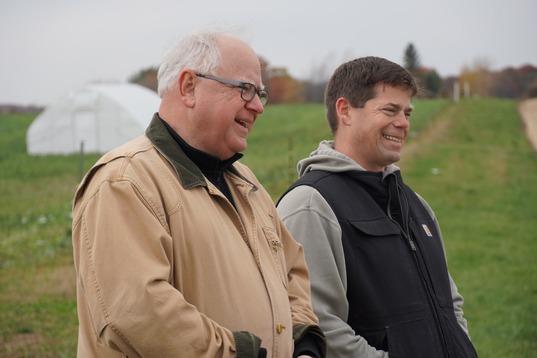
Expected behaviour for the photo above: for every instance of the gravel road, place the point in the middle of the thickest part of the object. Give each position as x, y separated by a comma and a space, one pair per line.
528, 112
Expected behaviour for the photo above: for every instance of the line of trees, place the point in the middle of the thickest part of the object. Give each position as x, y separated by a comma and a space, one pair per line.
474, 80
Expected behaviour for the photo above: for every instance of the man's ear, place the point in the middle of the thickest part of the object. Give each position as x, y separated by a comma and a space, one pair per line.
187, 85
342, 109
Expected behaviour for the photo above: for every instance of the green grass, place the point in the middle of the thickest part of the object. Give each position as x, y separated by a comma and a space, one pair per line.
470, 160
485, 197
37, 287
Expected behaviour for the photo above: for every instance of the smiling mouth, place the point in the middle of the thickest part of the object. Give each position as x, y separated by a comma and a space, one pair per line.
242, 123
393, 139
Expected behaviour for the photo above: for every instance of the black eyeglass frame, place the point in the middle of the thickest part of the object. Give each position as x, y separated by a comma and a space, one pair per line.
261, 93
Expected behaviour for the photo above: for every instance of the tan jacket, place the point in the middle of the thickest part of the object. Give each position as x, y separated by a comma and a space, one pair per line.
167, 267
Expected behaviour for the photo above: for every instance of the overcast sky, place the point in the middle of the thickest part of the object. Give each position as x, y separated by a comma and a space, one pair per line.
51, 46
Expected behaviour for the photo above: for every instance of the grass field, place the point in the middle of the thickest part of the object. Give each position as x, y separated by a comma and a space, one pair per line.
470, 160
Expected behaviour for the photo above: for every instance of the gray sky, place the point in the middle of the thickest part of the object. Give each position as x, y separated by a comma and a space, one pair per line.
51, 46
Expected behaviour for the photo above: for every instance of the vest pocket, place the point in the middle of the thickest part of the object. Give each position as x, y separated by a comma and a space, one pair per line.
416, 339
383, 271
377, 227
457, 340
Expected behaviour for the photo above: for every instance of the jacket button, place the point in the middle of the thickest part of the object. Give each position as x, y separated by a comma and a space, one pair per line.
279, 328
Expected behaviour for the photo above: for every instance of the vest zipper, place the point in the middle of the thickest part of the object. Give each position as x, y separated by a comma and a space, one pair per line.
419, 263
427, 284
410, 242
403, 202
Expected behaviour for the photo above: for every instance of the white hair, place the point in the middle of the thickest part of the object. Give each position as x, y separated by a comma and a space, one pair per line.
197, 51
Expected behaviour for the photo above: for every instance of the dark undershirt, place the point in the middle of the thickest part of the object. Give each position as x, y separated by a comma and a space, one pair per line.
211, 166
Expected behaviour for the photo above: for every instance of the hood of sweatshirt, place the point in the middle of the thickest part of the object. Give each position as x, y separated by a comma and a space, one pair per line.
326, 158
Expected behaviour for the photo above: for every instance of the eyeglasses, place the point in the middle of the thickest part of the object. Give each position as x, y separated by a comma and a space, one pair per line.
248, 90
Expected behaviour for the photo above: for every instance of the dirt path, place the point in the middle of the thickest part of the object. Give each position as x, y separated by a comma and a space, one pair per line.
528, 112
427, 138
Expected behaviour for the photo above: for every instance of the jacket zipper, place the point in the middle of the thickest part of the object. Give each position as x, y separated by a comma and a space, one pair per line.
406, 234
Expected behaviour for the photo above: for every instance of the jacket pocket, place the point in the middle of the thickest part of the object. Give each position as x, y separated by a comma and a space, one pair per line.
276, 248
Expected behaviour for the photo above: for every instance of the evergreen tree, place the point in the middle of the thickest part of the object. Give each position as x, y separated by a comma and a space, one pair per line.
411, 60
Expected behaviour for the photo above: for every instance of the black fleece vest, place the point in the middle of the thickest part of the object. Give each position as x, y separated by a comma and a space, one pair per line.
397, 280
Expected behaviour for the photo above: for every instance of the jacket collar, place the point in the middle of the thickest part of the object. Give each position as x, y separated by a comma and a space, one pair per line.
211, 166
189, 173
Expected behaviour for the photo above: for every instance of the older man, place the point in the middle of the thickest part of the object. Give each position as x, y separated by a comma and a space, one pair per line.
178, 249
